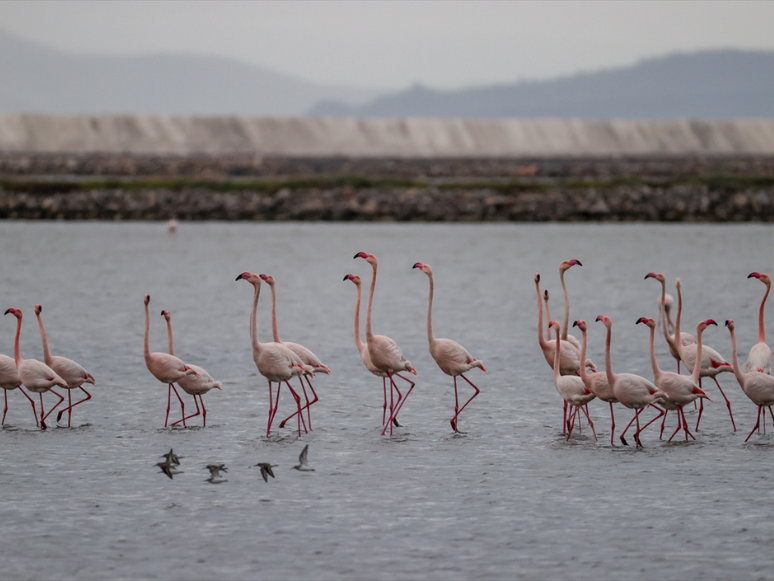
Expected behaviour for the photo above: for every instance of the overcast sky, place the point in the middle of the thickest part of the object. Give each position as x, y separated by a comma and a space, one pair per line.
393, 44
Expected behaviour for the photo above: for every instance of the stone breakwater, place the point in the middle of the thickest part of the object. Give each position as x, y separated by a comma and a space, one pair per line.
708, 201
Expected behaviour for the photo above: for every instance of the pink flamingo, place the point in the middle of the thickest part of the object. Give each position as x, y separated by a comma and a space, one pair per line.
193, 385
363, 350
304, 354
564, 266
274, 361
451, 357
164, 367
35, 375
384, 352
9, 380
571, 388
759, 358
685, 338
631, 390
596, 382
73, 373
712, 362
680, 389
759, 387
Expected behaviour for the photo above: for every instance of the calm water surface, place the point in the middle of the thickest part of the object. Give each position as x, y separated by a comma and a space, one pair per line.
508, 498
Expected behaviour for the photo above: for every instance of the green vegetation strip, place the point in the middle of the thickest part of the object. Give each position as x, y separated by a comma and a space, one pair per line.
56, 185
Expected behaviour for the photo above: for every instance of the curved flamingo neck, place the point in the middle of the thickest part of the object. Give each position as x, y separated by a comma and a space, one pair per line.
543, 341
557, 354
582, 371
369, 329
548, 317
170, 340
608, 361
665, 322
146, 343
761, 328
697, 364
653, 361
16, 353
253, 314
44, 339
274, 330
678, 342
430, 337
566, 319
358, 342
735, 360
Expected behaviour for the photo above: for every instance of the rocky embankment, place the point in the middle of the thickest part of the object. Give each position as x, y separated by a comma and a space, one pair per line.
738, 189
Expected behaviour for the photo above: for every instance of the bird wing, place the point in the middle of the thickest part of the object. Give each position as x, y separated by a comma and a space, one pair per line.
73, 373
303, 456
9, 376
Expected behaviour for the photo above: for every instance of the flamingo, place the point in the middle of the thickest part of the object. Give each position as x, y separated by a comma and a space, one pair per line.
384, 352
274, 361
571, 388
73, 373
666, 318
451, 357
596, 382
680, 389
193, 385
9, 380
759, 358
164, 367
759, 387
631, 390
35, 375
363, 349
712, 362
303, 353
564, 266
667, 325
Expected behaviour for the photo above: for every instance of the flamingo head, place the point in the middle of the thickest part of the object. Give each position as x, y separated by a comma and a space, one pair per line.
581, 324
566, 264
678, 284
38, 309
537, 278
166, 315
764, 278
545, 295
657, 275
250, 277
704, 324
267, 278
605, 320
369, 258
353, 277
146, 300
554, 325
730, 324
423, 267
15, 312
646, 321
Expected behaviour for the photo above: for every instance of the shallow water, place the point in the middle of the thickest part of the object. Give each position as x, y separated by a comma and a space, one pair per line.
508, 498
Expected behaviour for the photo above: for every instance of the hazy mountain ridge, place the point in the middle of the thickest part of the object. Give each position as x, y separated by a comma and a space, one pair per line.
712, 84
42, 79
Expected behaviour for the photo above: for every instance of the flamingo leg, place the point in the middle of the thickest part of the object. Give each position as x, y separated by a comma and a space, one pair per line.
204, 412
393, 411
300, 416
661, 413
5, 411
757, 423
623, 440
685, 426
701, 409
612, 427
43, 417
70, 407
308, 403
571, 420
663, 423
32, 402
456, 405
728, 404
456, 416
677, 429
637, 433
169, 404
401, 398
182, 405
384, 408
411, 383
565, 422
184, 418
271, 410
588, 419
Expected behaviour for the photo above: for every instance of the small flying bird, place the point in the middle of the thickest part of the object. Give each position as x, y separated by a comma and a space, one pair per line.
266, 470
215, 470
302, 459
172, 458
168, 469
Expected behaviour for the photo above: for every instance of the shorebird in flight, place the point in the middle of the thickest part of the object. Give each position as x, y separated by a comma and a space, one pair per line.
215, 470
266, 470
302, 461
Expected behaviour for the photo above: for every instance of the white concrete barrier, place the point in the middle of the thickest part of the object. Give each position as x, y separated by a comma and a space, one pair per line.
413, 137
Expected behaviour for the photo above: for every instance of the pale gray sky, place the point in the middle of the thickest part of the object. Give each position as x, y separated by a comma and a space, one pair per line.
393, 44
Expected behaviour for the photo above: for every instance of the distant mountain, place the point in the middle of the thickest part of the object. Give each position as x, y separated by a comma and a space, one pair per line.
36, 78
706, 85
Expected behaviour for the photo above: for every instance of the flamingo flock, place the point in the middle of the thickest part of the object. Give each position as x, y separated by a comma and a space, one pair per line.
578, 382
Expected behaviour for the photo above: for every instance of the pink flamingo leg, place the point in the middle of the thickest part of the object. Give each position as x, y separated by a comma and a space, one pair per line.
456, 416
588, 419
43, 417
393, 410
685, 426
271, 409
757, 423
32, 403
184, 418
565, 421
169, 404
623, 440
728, 403
182, 405
701, 409
5, 411
401, 398
637, 434
298, 408
70, 407
309, 403
571, 421
384, 408
612, 427
677, 429
456, 405
204, 412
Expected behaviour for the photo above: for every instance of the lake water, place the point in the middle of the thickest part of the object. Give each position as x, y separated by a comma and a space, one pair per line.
510, 498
